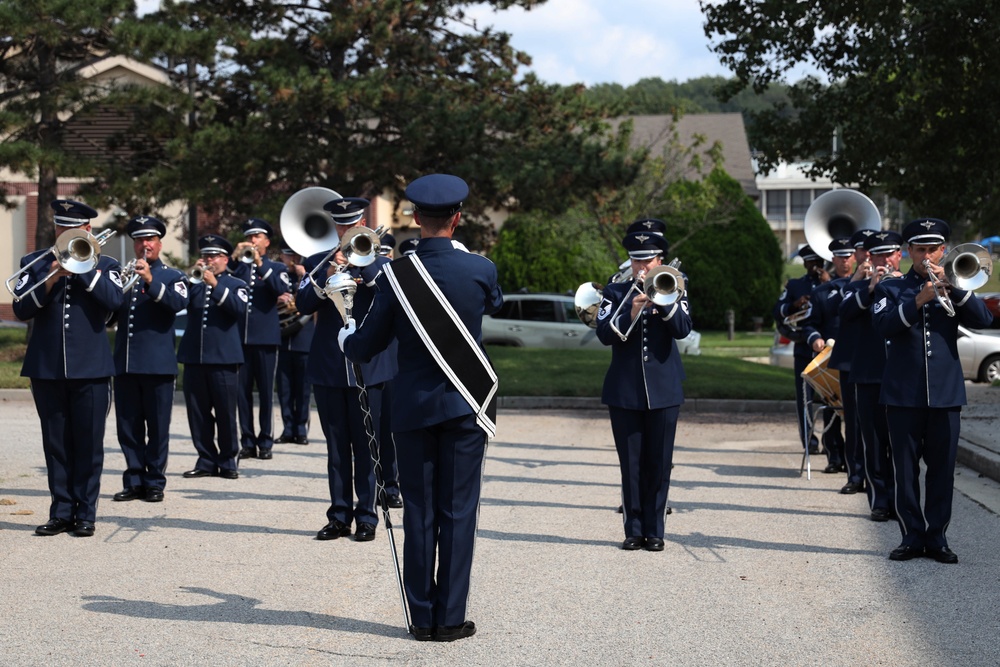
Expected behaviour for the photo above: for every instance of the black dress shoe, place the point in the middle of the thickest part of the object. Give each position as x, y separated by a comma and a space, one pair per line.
130, 493
851, 488
393, 500
301, 440
621, 509
265, 454
833, 468
54, 527
248, 453
906, 552
449, 633
229, 474
881, 514
283, 439
364, 533
422, 634
153, 496
941, 555
198, 472
83, 528
632, 543
653, 544
333, 530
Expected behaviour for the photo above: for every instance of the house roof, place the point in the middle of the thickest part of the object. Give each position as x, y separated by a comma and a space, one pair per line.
654, 132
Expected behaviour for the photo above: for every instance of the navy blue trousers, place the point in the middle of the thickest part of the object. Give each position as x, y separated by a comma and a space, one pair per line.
293, 393
143, 404
875, 444
340, 415
854, 453
645, 443
440, 477
257, 369
210, 396
387, 445
73, 414
930, 434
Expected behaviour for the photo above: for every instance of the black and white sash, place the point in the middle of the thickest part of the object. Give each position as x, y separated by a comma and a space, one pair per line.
446, 337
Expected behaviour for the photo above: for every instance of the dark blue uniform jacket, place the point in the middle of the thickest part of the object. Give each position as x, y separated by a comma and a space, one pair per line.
646, 370
145, 340
212, 335
259, 324
70, 339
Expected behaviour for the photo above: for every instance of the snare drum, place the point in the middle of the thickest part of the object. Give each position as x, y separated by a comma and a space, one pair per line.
825, 381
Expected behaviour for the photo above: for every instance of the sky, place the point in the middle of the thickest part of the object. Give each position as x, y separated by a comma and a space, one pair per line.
609, 41
602, 41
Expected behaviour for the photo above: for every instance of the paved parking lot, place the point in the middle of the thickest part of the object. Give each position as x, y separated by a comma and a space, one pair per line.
761, 566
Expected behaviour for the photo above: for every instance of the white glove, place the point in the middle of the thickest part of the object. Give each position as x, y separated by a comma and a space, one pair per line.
340, 282
348, 329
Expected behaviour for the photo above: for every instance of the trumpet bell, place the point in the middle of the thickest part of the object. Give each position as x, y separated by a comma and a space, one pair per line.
77, 251
968, 266
587, 301
838, 214
663, 285
305, 226
360, 246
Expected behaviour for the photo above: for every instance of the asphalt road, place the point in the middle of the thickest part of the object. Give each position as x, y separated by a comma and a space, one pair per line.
761, 567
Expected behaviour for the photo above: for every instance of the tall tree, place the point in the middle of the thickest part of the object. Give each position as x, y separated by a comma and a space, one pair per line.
362, 97
43, 46
912, 103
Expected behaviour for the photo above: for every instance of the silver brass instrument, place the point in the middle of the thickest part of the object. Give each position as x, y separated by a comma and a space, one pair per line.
838, 214
305, 226
197, 274
663, 285
361, 245
129, 276
799, 316
248, 255
966, 267
76, 250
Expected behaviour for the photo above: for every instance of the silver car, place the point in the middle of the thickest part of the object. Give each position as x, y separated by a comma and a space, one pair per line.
978, 350
550, 321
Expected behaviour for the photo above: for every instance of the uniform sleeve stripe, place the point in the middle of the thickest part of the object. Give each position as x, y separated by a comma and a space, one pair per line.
962, 302
902, 316
857, 297
93, 283
163, 288
225, 294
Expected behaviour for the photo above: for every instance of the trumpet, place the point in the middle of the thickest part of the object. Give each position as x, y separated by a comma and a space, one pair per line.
798, 317
359, 246
129, 276
76, 250
197, 274
248, 255
663, 285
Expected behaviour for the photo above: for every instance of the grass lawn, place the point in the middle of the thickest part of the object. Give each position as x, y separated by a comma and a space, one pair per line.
717, 373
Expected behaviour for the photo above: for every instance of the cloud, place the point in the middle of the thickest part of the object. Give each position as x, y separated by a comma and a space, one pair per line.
608, 41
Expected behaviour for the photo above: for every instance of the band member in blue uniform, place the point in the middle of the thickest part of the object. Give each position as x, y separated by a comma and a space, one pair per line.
261, 334
211, 353
823, 325
335, 385
145, 363
293, 356
795, 299
840, 360
69, 363
440, 432
642, 389
407, 247
868, 369
923, 388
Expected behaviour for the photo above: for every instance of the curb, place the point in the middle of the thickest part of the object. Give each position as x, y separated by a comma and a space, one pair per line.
976, 456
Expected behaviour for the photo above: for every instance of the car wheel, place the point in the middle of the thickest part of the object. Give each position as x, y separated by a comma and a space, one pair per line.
990, 370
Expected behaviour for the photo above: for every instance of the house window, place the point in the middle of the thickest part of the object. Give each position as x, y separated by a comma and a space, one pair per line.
800, 203
776, 204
